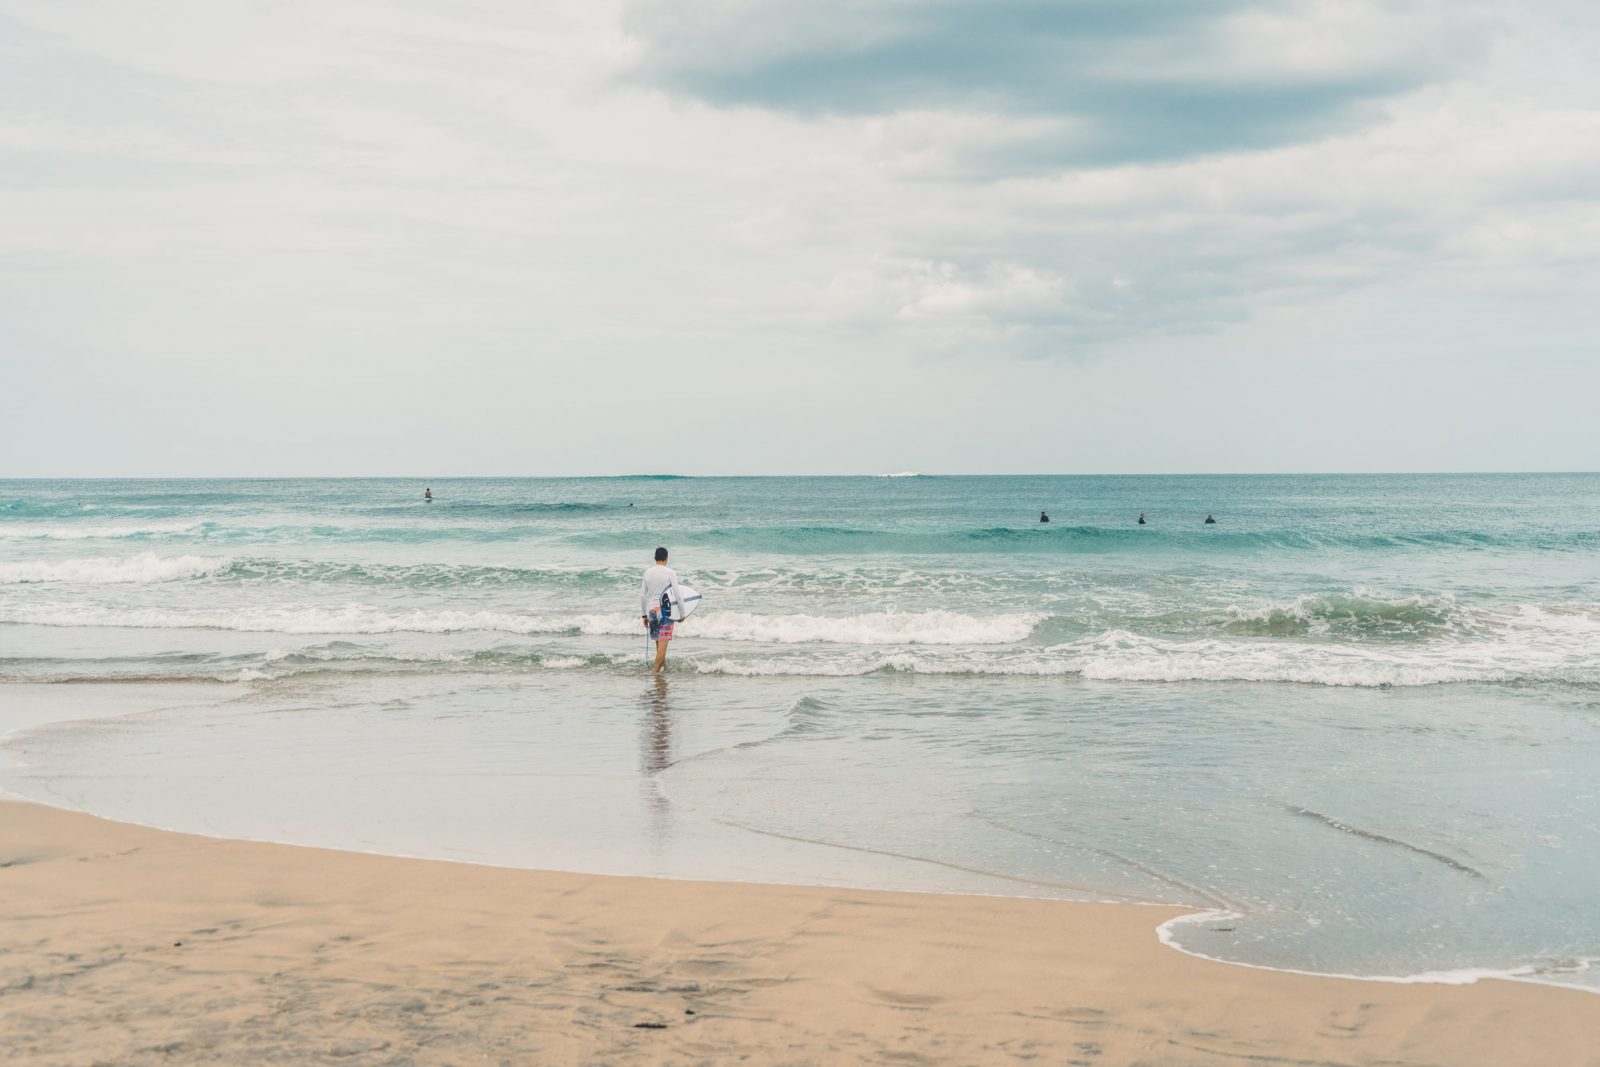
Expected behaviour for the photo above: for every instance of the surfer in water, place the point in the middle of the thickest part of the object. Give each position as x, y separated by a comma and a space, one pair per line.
1141, 518
1043, 517
427, 494
657, 605
1209, 521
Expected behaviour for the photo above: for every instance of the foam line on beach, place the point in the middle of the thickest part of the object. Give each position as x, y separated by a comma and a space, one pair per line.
1202, 894
1089, 894
1384, 839
1529, 973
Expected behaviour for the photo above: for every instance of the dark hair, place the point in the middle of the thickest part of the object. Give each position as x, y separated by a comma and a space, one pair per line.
661, 555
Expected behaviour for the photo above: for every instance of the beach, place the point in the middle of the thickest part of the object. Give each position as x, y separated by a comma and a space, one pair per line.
924, 779
942, 533
136, 946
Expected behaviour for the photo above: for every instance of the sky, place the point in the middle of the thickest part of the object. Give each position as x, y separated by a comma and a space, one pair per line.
485, 237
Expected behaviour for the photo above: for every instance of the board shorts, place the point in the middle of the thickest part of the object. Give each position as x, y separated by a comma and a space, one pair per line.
661, 631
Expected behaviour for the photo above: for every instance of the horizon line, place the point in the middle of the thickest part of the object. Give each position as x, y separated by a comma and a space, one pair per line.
673, 476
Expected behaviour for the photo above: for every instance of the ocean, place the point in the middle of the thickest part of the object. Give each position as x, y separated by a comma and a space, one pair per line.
1355, 723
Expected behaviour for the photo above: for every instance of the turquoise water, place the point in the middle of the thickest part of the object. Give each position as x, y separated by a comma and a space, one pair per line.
1357, 720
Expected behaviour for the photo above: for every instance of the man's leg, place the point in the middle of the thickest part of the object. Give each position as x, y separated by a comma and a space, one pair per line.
661, 656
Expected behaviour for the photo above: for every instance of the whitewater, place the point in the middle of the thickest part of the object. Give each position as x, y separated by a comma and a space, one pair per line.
902, 681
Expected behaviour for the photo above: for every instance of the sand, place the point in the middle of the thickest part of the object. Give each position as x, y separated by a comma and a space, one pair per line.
125, 945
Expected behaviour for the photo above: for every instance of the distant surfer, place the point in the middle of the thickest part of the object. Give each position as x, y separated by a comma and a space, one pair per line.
427, 494
656, 601
1209, 520
1043, 517
1141, 518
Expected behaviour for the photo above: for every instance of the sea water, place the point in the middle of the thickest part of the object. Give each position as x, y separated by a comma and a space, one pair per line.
1355, 723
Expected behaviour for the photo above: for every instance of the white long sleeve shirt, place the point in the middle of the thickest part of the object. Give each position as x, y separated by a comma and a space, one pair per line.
657, 580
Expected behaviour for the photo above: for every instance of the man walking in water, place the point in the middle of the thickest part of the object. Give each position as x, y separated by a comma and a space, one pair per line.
657, 605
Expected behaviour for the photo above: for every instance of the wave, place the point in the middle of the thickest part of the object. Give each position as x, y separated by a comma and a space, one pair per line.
1528, 645
482, 509
484, 522
1159, 670
854, 578
1568, 656
32, 531
1360, 613
124, 503
440, 576
1080, 539
1080, 604
106, 570
277, 533
1550, 653
883, 628
149, 567
347, 619
1358, 637
333, 659
878, 628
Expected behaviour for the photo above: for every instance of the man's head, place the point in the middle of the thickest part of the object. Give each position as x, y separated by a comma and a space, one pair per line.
661, 555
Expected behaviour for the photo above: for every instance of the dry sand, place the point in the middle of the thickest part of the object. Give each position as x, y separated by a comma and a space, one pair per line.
127, 945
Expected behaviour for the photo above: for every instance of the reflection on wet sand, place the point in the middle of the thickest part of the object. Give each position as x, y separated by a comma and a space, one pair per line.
655, 755
656, 749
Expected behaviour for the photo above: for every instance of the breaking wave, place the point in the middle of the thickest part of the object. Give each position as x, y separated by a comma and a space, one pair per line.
884, 628
105, 570
36, 531
1557, 645
1362, 613
1120, 658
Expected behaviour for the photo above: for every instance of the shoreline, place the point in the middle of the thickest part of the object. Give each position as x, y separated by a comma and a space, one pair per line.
1163, 931
142, 945
1181, 914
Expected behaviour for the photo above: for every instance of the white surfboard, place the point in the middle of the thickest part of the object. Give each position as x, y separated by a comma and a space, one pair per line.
684, 601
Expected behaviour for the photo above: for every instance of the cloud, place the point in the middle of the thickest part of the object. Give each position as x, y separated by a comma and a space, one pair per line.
1492, 198
1101, 81
1045, 307
383, 195
1056, 178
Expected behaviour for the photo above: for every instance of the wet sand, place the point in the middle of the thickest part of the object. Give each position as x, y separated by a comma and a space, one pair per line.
124, 945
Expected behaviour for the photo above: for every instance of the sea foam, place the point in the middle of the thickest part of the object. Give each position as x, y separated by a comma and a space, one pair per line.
1527, 643
117, 532
881, 628
112, 570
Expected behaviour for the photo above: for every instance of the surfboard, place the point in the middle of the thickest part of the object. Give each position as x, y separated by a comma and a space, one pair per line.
684, 602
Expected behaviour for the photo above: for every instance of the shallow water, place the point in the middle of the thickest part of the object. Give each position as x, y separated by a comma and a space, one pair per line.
1359, 715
